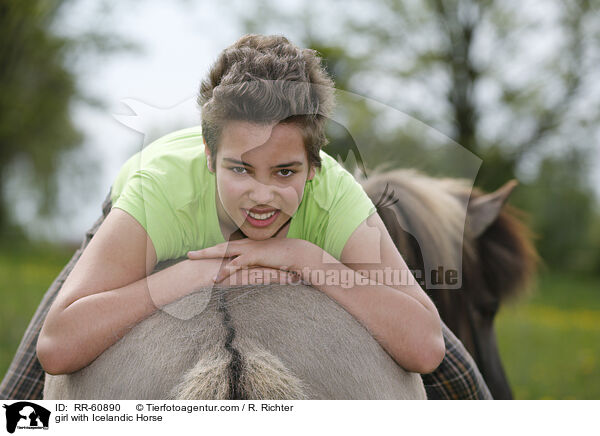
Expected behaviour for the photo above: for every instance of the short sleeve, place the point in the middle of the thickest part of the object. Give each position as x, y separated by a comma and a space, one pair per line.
350, 207
143, 198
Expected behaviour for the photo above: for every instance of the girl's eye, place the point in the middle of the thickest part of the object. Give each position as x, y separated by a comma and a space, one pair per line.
239, 170
286, 172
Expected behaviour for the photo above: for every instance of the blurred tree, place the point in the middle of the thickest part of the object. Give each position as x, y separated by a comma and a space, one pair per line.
562, 213
37, 91
513, 82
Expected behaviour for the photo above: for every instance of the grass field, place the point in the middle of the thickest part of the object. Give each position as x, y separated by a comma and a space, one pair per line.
549, 342
25, 275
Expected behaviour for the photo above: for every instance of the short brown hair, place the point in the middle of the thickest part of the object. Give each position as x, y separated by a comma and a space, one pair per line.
266, 79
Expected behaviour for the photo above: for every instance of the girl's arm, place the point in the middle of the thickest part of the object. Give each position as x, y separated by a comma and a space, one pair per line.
401, 316
109, 291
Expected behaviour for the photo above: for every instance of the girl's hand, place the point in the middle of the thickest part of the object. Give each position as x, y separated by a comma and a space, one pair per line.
281, 254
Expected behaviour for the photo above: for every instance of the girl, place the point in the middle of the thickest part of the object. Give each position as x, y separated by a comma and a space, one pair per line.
264, 107
254, 175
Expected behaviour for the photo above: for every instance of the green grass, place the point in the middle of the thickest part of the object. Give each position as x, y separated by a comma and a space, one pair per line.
550, 342
25, 275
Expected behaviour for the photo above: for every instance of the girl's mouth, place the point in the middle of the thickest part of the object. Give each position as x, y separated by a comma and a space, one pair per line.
261, 219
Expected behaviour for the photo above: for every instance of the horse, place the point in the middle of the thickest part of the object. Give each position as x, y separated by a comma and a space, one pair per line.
488, 243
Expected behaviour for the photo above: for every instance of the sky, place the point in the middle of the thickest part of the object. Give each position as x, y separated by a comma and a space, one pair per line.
179, 41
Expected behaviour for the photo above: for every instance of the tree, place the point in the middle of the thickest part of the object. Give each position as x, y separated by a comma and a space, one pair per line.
38, 88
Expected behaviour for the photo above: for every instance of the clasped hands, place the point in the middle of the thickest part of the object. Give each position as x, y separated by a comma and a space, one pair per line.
280, 260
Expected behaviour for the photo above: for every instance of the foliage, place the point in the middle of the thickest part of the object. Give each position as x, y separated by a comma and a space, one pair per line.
38, 90
562, 215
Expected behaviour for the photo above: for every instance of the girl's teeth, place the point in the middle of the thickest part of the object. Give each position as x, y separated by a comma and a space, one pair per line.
261, 216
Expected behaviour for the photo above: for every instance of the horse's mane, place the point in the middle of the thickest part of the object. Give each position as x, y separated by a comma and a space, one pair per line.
433, 217
432, 212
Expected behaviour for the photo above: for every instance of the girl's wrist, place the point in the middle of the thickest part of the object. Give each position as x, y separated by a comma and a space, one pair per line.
202, 271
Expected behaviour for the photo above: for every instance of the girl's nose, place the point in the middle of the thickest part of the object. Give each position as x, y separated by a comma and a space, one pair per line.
261, 193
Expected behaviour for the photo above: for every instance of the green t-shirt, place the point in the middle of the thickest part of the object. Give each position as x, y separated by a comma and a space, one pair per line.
168, 189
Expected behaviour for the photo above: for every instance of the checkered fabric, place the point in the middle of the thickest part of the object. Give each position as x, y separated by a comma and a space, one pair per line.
456, 378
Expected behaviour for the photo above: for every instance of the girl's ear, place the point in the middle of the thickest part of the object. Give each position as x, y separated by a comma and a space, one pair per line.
208, 157
311, 173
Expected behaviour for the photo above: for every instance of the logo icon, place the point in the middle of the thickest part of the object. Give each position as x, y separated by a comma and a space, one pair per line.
26, 415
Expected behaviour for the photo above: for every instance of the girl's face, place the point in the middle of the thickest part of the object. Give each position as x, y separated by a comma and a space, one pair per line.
261, 172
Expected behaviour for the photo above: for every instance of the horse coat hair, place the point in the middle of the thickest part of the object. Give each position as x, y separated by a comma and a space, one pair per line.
246, 342
443, 223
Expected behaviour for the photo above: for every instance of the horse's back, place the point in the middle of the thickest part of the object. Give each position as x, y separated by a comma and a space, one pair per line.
253, 342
